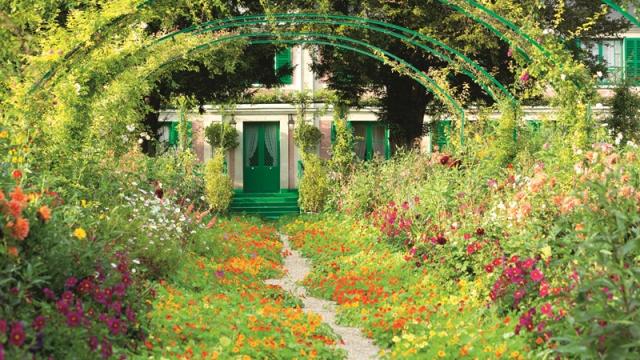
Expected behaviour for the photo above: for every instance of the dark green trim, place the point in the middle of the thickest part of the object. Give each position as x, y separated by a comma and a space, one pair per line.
283, 60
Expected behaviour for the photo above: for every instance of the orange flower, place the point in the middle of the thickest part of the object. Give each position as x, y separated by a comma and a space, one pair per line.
19, 229
13, 251
44, 213
16, 174
18, 195
15, 208
1, 196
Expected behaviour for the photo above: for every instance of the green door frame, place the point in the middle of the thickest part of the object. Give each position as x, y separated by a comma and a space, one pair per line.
261, 178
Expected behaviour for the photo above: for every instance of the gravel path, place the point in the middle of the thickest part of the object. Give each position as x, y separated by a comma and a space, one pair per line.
297, 267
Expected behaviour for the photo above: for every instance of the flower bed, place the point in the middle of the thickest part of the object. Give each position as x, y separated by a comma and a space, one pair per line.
415, 314
217, 305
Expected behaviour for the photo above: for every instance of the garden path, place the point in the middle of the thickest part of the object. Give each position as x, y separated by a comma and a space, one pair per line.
358, 346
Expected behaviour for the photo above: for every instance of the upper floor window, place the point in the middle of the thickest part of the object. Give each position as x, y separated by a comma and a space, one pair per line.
609, 53
283, 60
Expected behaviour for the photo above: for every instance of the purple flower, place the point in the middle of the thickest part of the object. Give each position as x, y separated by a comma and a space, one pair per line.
131, 315
49, 294
74, 318
17, 335
67, 296
62, 306
220, 274
105, 349
120, 290
71, 282
116, 326
100, 297
38, 323
116, 306
93, 343
3, 327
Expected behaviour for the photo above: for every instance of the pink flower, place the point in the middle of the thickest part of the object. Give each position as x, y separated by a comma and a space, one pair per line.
510, 52
537, 275
547, 309
73, 318
544, 289
525, 77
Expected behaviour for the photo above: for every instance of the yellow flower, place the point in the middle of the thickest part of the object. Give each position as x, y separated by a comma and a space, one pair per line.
546, 252
441, 354
79, 233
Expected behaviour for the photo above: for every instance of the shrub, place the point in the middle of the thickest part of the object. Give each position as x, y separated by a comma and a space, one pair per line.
342, 154
624, 121
218, 186
222, 135
306, 136
314, 185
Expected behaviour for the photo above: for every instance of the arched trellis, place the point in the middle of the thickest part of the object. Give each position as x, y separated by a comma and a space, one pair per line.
89, 44
346, 43
361, 23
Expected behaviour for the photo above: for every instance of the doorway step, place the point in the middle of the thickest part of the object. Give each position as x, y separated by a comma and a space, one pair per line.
266, 205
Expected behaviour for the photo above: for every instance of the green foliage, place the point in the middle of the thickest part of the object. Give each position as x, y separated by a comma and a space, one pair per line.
222, 135
342, 149
314, 186
306, 136
218, 188
624, 121
506, 142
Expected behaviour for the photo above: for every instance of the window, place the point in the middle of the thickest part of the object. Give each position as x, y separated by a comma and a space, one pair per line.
632, 60
283, 60
440, 134
609, 53
171, 129
371, 139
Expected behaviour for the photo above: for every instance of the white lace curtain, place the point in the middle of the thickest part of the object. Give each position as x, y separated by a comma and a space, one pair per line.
271, 142
251, 143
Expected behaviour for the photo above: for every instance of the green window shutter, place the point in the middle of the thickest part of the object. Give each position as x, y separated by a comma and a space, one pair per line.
283, 60
632, 59
443, 128
387, 143
534, 125
173, 134
333, 132
368, 141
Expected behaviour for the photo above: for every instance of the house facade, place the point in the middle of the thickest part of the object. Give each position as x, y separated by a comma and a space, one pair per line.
267, 159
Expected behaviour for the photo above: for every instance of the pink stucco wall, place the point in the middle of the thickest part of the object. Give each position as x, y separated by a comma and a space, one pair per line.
325, 141
198, 138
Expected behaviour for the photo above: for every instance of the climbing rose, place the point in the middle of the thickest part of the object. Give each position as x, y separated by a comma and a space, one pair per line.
17, 335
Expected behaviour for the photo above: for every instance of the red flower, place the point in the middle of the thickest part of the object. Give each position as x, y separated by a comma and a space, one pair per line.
488, 268
17, 335
16, 174
15, 208
444, 159
479, 231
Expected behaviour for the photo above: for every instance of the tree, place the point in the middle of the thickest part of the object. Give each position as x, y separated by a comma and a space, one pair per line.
404, 102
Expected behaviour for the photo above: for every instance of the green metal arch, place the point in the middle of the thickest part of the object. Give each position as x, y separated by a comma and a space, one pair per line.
422, 78
626, 14
298, 19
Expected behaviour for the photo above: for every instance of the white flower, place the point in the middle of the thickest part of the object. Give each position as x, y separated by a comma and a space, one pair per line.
143, 25
618, 139
202, 198
632, 144
599, 74
136, 261
133, 270
563, 77
140, 141
78, 88
114, 265
131, 127
599, 106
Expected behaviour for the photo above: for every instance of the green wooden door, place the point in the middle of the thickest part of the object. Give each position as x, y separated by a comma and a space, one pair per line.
261, 157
